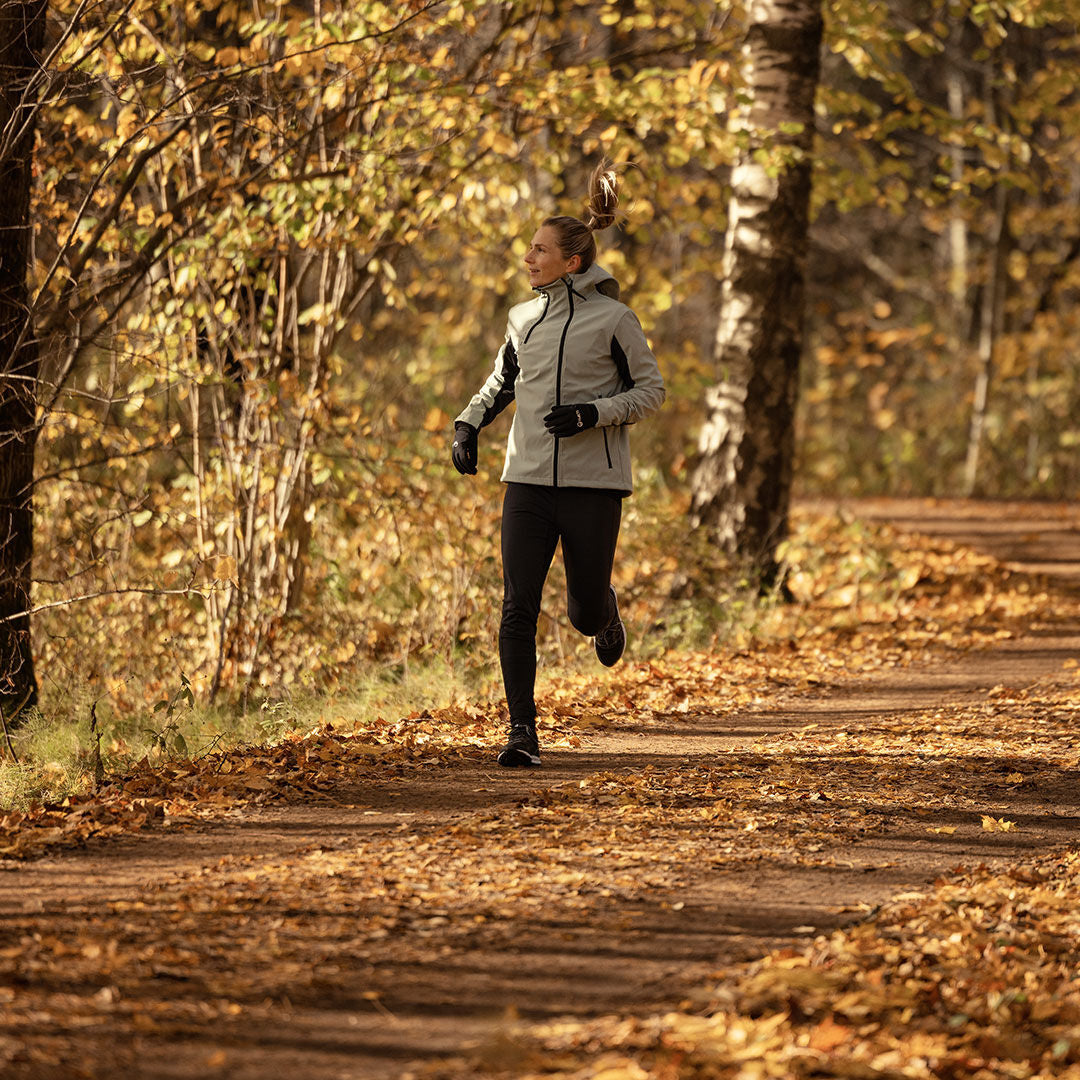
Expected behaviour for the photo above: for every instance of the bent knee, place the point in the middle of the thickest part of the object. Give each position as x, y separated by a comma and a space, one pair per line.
589, 623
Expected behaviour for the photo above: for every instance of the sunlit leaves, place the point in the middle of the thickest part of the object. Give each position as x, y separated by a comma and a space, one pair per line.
971, 978
306, 192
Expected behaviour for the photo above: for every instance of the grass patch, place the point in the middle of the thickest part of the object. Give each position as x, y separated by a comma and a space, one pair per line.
56, 751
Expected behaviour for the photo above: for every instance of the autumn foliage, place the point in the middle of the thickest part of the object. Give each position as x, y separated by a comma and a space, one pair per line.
274, 248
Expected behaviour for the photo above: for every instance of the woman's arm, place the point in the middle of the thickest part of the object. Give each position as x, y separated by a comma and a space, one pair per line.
497, 391
645, 387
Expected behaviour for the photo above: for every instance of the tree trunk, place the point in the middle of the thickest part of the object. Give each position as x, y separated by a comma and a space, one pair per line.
958, 234
22, 31
992, 309
990, 326
742, 484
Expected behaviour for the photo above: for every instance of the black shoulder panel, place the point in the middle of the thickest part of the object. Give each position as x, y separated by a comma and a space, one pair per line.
621, 362
506, 394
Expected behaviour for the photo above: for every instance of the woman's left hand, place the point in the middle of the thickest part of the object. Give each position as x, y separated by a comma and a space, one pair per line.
566, 420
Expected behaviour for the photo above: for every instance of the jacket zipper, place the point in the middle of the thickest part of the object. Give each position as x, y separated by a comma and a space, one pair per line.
543, 315
558, 379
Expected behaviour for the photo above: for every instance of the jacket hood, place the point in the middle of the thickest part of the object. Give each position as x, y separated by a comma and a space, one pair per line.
594, 280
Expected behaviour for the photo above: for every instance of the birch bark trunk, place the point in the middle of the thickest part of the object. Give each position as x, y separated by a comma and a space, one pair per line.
741, 486
958, 235
992, 307
22, 32
990, 326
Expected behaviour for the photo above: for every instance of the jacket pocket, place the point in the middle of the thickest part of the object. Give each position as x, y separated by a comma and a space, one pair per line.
607, 449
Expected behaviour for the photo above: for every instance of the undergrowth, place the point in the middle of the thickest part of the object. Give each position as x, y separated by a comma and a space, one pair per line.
678, 594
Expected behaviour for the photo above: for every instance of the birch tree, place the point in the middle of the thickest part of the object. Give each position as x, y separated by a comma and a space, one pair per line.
741, 485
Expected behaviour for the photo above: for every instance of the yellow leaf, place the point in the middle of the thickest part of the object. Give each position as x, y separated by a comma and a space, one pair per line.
127, 122
997, 824
947, 829
225, 568
435, 420
333, 95
590, 720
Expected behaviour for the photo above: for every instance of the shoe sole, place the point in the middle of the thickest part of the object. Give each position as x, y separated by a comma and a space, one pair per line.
517, 759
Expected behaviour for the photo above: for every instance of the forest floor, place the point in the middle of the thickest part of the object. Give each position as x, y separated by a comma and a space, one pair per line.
674, 865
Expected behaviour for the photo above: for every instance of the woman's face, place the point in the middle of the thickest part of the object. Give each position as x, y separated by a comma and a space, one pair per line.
545, 261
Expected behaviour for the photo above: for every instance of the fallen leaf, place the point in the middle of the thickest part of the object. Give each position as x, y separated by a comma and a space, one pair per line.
828, 1035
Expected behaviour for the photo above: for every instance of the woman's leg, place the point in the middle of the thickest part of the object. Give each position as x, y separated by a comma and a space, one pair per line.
588, 523
529, 537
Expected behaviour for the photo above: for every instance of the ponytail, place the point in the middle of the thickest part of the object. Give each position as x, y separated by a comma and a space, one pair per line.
575, 237
603, 196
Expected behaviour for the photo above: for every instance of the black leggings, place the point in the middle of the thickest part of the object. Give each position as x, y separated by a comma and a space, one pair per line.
535, 518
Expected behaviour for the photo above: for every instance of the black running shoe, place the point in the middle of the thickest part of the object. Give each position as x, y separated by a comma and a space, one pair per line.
521, 747
611, 641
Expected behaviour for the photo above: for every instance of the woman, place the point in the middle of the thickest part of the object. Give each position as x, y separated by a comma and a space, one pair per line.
577, 364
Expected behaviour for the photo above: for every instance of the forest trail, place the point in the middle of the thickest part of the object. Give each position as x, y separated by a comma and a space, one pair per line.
414, 919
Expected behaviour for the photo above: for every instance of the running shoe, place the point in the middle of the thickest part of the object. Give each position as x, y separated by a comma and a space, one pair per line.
522, 748
611, 641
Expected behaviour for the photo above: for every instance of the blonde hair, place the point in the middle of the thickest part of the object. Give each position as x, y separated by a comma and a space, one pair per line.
574, 236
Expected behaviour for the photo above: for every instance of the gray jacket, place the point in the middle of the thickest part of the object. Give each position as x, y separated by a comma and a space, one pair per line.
571, 344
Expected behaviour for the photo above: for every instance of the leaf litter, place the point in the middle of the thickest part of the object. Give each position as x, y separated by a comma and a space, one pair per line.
976, 978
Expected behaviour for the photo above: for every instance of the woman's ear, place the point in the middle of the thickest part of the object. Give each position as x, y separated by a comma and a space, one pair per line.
573, 264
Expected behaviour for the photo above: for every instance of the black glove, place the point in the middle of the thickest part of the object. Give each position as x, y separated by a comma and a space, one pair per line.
566, 420
464, 448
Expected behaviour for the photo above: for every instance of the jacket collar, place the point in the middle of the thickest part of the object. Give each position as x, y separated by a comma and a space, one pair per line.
583, 285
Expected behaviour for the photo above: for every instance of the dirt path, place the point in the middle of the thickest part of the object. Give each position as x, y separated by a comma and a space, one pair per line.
372, 937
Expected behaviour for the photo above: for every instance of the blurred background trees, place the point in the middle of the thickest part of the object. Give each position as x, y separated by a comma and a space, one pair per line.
274, 243
944, 294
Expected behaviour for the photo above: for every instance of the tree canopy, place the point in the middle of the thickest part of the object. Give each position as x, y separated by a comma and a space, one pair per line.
274, 243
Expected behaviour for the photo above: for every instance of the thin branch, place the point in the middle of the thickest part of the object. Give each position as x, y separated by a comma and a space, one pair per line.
7, 735
43, 74
131, 590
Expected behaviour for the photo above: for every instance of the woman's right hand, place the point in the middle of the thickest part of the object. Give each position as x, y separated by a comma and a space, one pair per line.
463, 452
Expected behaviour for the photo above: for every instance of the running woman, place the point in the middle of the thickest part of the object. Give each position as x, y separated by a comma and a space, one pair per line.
576, 362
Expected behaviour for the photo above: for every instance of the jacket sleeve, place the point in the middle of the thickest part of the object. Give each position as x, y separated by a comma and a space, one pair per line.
644, 393
497, 391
